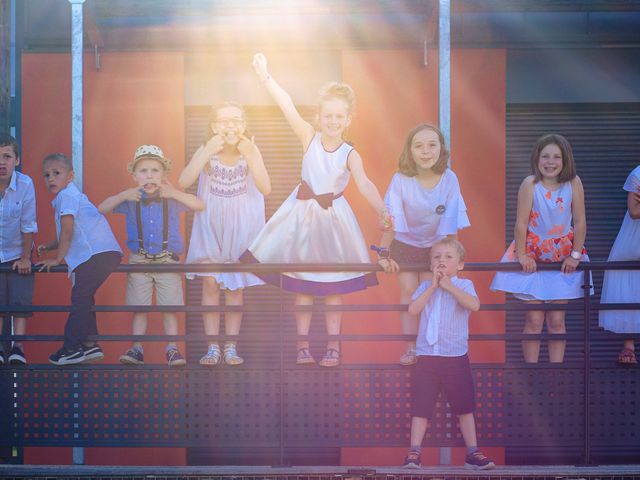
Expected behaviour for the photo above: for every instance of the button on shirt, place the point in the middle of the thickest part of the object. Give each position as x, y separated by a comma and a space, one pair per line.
17, 215
91, 231
444, 323
152, 225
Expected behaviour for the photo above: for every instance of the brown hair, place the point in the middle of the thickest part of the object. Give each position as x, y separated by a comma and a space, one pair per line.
568, 171
451, 242
8, 140
213, 116
407, 165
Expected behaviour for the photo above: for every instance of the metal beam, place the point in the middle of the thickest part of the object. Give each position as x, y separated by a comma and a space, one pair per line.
5, 66
77, 90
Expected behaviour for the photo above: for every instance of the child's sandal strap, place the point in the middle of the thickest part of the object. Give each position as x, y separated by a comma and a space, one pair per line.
212, 357
331, 358
231, 356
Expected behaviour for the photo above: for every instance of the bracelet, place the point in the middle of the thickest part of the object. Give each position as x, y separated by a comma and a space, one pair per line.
383, 252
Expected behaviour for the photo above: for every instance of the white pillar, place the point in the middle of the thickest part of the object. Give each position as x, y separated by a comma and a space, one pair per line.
444, 63
76, 90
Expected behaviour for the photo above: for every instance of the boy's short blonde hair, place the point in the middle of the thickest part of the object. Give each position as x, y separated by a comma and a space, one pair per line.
451, 242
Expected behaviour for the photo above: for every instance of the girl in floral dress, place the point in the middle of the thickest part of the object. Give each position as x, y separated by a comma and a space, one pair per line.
549, 200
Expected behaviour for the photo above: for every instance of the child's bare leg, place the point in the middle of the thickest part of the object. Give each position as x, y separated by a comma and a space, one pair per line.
408, 283
333, 320
418, 429
629, 343
211, 296
139, 327
303, 319
20, 328
533, 322
468, 429
170, 321
233, 320
556, 324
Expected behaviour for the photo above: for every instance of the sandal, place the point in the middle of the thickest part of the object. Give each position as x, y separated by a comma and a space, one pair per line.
409, 357
305, 357
331, 358
212, 357
230, 354
627, 357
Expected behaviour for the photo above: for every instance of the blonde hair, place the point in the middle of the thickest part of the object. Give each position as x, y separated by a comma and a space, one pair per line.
406, 163
341, 91
451, 242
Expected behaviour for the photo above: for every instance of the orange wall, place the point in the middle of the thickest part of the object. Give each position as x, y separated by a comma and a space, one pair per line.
138, 98
135, 98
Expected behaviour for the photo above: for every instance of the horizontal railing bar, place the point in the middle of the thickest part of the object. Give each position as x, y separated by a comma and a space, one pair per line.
334, 267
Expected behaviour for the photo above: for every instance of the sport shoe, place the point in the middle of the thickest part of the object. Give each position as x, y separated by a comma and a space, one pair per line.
133, 356
16, 356
477, 461
93, 353
67, 356
1, 357
412, 460
174, 359
408, 357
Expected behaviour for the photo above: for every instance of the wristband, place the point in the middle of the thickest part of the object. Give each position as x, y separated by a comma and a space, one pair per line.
383, 252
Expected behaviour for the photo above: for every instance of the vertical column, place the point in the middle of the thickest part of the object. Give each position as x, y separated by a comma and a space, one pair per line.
5, 66
444, 62
76, 90
444, 109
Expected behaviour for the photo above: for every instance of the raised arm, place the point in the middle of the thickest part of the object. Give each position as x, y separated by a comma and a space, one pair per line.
247, 147
109, 204
303, 129
167, 190
525, 203
199, 160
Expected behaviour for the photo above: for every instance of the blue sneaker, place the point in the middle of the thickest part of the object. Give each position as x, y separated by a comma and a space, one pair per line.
16, 356
67, 356
133, 356
174, 358
477, 461
93, 353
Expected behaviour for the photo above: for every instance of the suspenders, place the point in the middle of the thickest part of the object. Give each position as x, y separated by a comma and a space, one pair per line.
165, 232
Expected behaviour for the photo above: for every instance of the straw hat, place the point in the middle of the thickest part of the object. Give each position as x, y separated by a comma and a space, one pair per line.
152, 152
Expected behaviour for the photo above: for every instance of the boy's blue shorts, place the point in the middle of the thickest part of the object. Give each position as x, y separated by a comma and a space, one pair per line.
16, 289
452, 375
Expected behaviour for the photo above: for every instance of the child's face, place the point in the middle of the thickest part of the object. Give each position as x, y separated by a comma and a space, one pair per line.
334, 117
550, 162
149, 174
425, 149
8, 163
56, 175
230, 124
446, 259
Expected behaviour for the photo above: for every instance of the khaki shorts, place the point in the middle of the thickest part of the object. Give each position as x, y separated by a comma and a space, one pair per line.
140, 285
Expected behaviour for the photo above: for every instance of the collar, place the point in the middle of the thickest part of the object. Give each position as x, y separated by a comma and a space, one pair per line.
13, 181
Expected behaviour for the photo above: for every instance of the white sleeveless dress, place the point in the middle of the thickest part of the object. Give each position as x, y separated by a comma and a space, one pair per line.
233, 216
303, 231
623, 286
549, 239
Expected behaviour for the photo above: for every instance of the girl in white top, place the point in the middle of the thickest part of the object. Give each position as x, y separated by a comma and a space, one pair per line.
623, 286
425, 202
315, 224
232, 182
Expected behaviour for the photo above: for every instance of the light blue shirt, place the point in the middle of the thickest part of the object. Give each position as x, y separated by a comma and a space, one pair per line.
17, 215
91, 231
444, 323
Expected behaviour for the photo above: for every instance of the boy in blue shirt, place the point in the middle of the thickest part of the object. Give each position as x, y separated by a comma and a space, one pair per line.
152, 210
17, 226
85, 242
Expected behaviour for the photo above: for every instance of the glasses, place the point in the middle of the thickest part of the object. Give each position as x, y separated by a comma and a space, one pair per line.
234, 122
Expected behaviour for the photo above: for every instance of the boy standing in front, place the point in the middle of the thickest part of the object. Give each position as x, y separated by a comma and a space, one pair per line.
85, 242
17, 226
152, 210
444, 305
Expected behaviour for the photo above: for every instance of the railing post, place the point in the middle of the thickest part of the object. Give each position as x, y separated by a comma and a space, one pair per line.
587, 364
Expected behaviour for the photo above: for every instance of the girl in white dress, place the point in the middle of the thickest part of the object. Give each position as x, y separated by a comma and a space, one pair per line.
232, 182
548, 200
425, 202
315, 224
623, 286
